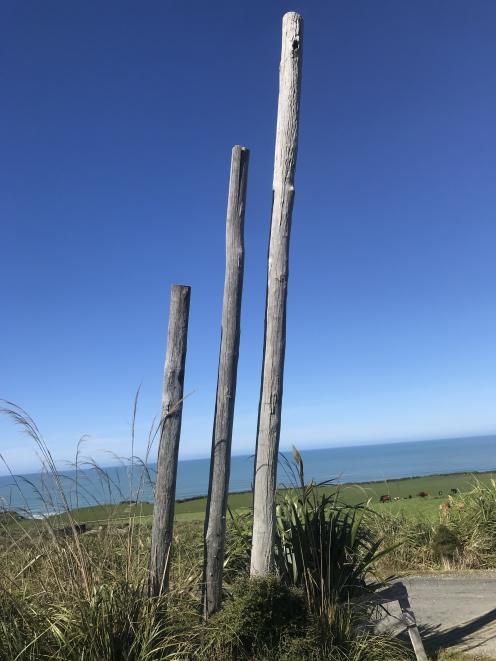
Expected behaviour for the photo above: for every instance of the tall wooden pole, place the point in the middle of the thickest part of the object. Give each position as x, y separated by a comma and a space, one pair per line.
172, 406
220, 461
269, 414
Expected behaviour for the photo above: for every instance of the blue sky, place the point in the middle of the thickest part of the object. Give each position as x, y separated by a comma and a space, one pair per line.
116, 126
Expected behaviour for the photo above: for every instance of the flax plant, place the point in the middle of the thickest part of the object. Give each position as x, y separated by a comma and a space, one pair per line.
324, 547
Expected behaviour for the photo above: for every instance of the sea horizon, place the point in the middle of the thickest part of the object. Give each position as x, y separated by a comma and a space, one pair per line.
67, 465
36, 493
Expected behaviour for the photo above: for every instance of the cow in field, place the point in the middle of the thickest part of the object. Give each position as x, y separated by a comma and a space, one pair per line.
68, 531
385, 499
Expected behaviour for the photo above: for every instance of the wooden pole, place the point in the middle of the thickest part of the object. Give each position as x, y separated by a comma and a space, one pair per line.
220, 462
172, 405
269, 414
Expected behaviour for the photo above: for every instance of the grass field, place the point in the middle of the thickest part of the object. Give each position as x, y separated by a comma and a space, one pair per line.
437, 486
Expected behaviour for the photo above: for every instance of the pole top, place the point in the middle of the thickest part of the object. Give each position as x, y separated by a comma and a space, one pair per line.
180, 288
292, 16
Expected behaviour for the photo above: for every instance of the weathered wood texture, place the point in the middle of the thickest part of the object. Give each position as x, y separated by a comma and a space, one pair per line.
269, 415
220, 461
412, 628
398, 592
170, 432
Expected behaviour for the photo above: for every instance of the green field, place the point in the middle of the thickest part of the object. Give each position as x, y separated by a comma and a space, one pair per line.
437, 486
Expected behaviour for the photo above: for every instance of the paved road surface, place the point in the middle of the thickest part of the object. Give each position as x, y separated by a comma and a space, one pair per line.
455, 610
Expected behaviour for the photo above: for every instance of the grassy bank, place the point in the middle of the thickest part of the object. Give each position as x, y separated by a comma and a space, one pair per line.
73, 596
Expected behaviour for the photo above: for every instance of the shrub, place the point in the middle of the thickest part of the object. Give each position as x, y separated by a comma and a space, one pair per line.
238, 547
466, 534
472, 518
445, 544
326, 548
361, 646
265, 620
323, 546
253, 620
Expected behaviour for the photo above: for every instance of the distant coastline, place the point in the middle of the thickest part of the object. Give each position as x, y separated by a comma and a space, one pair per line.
421, 495
347, 465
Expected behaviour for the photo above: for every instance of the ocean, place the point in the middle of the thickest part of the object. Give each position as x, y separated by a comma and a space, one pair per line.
38, 495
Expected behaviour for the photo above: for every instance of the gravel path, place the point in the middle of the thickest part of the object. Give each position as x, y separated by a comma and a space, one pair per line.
453, 611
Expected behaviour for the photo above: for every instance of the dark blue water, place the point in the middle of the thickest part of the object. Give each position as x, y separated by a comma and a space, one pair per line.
39, 495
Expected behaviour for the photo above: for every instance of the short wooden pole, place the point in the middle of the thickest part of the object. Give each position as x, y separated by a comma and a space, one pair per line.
269, 414
411, 625
172, 405
220, 462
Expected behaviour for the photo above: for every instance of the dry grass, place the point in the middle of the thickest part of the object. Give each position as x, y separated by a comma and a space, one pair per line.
68, 596
463, 537
450, 655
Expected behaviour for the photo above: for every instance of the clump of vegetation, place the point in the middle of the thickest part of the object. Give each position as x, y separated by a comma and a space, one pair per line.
255, 619
472, 518
409, 537
238, 547
325, 548
264, 620
66, 598
445, 544
464, 534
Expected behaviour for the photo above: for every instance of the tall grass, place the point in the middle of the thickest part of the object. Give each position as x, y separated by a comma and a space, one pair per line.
66, 595
472, 519
462, 537
410, 538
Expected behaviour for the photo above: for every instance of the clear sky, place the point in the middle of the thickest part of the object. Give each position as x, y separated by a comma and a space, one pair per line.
116, 125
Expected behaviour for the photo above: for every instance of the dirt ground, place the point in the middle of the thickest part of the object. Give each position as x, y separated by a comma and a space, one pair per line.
455, 611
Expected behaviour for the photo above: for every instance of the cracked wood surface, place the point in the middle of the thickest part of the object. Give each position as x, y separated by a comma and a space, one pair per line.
269, 415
